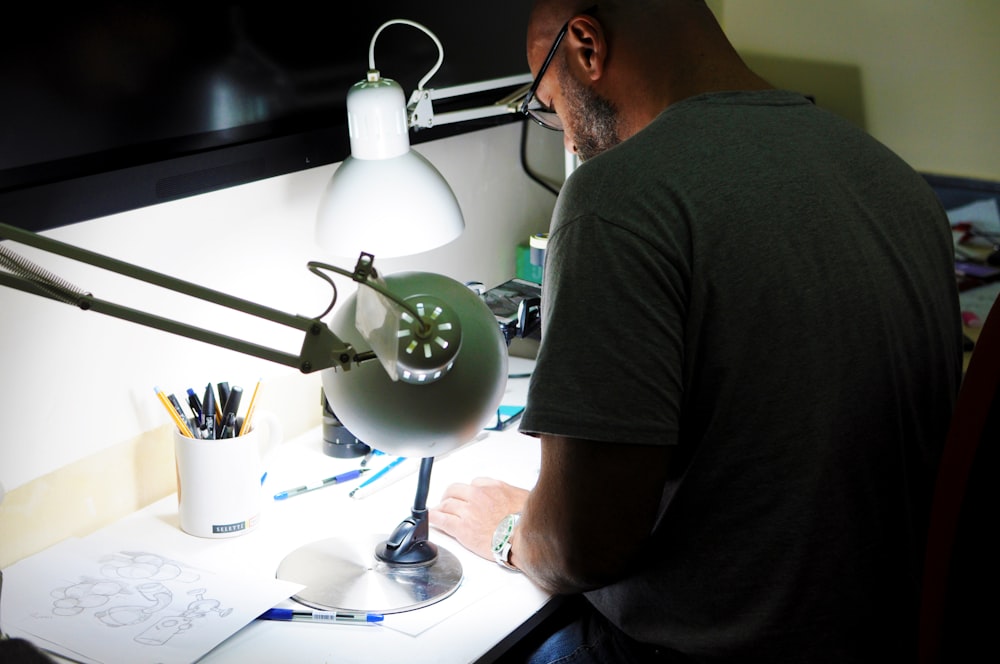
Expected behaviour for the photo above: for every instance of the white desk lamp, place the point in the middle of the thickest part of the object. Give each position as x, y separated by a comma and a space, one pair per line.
385, 198
443, 359
391, 201
434, 386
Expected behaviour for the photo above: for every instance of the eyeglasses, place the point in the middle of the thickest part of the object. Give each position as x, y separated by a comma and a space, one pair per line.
533, 108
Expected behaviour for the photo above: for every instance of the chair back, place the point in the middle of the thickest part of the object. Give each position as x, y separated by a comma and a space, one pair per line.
959, 593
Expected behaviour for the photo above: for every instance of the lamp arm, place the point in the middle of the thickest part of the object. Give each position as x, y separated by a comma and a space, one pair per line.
420, 108
321, 348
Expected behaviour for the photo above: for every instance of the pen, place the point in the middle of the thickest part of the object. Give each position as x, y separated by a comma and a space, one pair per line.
208, 421
395, 462
229, 427
195, 404
336, 479
322, 616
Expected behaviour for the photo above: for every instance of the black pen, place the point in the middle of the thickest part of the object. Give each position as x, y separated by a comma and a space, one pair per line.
208, 420
228, 426
232, 404
195, 404
223, 397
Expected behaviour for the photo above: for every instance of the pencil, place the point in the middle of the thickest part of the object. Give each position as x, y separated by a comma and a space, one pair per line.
253, 402
173, 413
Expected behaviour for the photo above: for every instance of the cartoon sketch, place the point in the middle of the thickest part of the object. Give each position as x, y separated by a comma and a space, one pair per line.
167, 627
121, 571
142, 565
155, 592
87, 594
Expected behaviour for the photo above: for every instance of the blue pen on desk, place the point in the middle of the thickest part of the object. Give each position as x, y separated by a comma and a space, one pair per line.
336, 479
376, 476
322, 616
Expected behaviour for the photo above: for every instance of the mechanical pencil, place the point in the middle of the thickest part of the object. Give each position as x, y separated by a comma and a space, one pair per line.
322, 616
177, 406
336, 479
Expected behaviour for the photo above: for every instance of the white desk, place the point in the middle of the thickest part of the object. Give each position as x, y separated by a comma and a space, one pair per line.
489, 610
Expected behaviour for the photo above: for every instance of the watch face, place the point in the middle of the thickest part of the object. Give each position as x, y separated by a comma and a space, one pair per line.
502, 533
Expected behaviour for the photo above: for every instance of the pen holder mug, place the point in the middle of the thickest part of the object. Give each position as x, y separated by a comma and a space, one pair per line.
219, 482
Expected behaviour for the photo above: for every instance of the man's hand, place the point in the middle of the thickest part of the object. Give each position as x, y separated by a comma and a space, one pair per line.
471, 512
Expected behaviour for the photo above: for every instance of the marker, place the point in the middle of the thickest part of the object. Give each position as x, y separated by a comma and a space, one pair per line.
223, 388
336, 479
232, 403
322, 616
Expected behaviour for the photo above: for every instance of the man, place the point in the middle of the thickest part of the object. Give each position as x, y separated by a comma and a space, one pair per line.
750, 351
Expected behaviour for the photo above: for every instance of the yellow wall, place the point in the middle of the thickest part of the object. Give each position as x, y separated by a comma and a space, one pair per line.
922, 76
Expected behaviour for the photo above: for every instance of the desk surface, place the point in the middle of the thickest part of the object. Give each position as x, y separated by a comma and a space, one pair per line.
490, 604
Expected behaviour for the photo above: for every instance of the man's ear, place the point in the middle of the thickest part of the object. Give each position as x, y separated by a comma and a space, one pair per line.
586, 47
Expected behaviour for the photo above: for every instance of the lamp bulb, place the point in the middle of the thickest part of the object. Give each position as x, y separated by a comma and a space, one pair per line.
428, 346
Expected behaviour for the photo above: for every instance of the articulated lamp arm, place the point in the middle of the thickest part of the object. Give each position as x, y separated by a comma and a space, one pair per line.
321, 348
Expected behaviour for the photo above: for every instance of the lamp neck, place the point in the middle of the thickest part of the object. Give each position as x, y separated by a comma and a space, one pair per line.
377, 119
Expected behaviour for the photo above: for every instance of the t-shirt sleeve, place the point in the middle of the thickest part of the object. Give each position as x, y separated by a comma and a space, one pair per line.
610, 362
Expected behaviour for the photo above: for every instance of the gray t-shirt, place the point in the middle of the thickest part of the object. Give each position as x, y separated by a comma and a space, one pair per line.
763, 286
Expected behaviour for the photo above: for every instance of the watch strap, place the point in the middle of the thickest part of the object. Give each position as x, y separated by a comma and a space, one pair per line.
503, 538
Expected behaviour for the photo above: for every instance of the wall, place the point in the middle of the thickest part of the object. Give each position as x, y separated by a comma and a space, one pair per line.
928, 71
83, 439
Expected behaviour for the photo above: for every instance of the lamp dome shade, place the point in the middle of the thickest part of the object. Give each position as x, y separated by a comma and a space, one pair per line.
430, 419
387, 207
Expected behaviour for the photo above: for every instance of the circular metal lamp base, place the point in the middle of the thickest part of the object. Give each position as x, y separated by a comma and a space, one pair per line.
340, 574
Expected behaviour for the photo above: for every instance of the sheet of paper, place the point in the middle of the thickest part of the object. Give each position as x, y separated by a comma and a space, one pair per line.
104, 599
984, 215
471, 591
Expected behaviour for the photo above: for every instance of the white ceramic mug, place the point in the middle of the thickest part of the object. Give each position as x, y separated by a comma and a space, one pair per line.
219, 482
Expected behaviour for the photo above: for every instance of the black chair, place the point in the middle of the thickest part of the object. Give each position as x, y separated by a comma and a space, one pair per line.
960, 591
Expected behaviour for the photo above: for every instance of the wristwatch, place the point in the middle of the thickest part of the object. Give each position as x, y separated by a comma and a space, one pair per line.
503, 537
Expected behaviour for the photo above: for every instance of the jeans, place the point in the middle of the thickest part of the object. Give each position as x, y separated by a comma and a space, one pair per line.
578, 634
